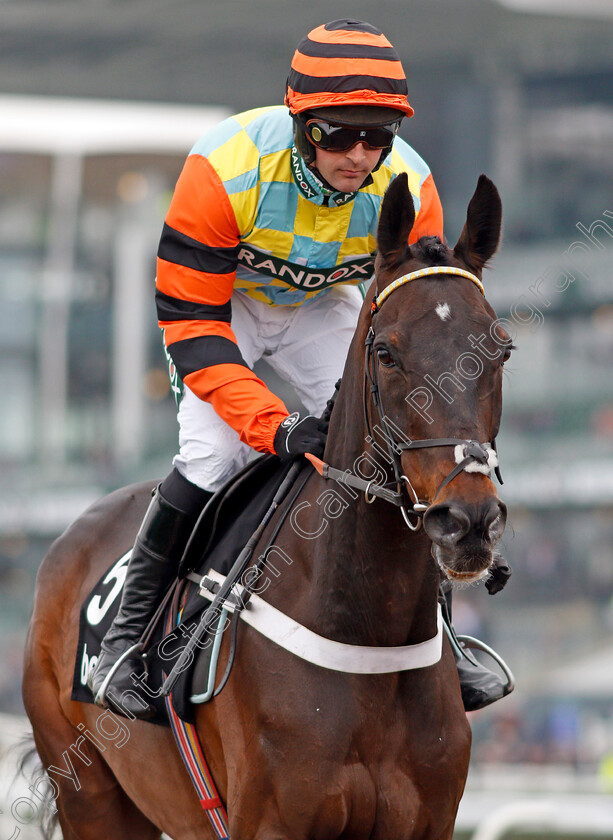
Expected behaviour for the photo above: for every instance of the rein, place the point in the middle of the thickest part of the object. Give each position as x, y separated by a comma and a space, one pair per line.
470, 455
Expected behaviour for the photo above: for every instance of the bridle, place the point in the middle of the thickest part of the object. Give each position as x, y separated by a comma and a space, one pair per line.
470, 455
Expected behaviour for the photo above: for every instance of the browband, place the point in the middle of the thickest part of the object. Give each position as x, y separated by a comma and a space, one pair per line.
425, 272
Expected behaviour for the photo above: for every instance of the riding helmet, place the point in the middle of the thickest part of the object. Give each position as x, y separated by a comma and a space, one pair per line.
345, 72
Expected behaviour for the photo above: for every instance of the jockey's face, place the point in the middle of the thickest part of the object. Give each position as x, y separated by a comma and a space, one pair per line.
346, 171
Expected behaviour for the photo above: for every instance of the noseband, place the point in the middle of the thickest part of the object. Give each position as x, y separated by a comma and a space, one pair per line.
470, 455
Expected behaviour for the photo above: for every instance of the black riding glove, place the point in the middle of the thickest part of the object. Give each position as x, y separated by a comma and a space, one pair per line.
297, 435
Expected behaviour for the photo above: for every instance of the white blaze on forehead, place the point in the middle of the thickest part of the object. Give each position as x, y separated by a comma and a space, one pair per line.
443, 311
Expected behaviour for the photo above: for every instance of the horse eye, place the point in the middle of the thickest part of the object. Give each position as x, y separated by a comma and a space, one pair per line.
507, 352
385, 357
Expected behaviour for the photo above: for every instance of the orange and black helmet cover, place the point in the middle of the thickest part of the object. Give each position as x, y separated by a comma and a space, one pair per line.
345, 63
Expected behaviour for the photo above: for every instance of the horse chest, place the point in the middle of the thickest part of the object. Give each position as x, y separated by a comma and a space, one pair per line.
419, 777
396, 802
357, 768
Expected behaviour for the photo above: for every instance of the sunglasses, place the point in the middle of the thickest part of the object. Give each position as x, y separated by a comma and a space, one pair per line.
340, 138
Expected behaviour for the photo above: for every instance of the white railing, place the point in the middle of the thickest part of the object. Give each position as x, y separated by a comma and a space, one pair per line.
551, 801
569, 816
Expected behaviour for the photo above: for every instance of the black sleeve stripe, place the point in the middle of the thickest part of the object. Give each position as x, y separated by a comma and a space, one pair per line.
174, 309
176, 247
192, 354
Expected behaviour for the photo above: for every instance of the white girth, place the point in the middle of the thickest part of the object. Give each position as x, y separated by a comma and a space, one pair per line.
326, 653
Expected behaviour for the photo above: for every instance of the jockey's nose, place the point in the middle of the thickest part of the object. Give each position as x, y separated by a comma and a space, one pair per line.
449, 522
357, 153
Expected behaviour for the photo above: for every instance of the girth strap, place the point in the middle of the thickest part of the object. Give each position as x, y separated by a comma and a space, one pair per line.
190, 749
319, 650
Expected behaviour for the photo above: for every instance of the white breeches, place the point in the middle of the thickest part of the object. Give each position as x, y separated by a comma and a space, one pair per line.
306, 345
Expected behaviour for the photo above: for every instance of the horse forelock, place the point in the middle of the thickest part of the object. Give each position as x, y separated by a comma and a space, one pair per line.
431, 251
428, 251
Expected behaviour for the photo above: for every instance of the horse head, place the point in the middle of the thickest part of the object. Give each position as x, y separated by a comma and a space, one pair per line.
434, 360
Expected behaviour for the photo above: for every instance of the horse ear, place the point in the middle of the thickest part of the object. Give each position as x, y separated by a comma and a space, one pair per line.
396, 221
481, 235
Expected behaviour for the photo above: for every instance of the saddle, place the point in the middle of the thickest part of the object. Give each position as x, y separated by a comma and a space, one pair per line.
220, 535
232, 515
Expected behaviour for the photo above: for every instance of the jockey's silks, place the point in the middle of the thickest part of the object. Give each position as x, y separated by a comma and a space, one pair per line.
247, 214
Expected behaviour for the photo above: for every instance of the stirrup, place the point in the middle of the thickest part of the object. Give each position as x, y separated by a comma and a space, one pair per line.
463, 645
100, 698
468, 643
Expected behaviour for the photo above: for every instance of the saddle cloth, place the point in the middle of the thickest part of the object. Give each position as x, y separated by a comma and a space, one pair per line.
223, 529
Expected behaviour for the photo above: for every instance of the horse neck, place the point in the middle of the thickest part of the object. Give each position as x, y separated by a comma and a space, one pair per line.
373, 580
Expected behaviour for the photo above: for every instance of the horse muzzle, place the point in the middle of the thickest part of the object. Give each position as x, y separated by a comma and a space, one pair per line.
464, 535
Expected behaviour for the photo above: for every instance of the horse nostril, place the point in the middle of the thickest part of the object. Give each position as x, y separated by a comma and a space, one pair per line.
495, 520
446, 524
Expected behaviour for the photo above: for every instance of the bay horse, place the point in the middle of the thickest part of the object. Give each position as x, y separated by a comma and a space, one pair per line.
298, 751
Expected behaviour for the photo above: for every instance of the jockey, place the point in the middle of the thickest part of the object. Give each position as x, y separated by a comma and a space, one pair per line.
271, 228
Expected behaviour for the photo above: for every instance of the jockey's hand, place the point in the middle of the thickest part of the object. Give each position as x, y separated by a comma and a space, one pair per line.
297, 435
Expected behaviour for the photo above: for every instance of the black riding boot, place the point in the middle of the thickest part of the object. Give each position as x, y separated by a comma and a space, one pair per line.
478, 684
153, 564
